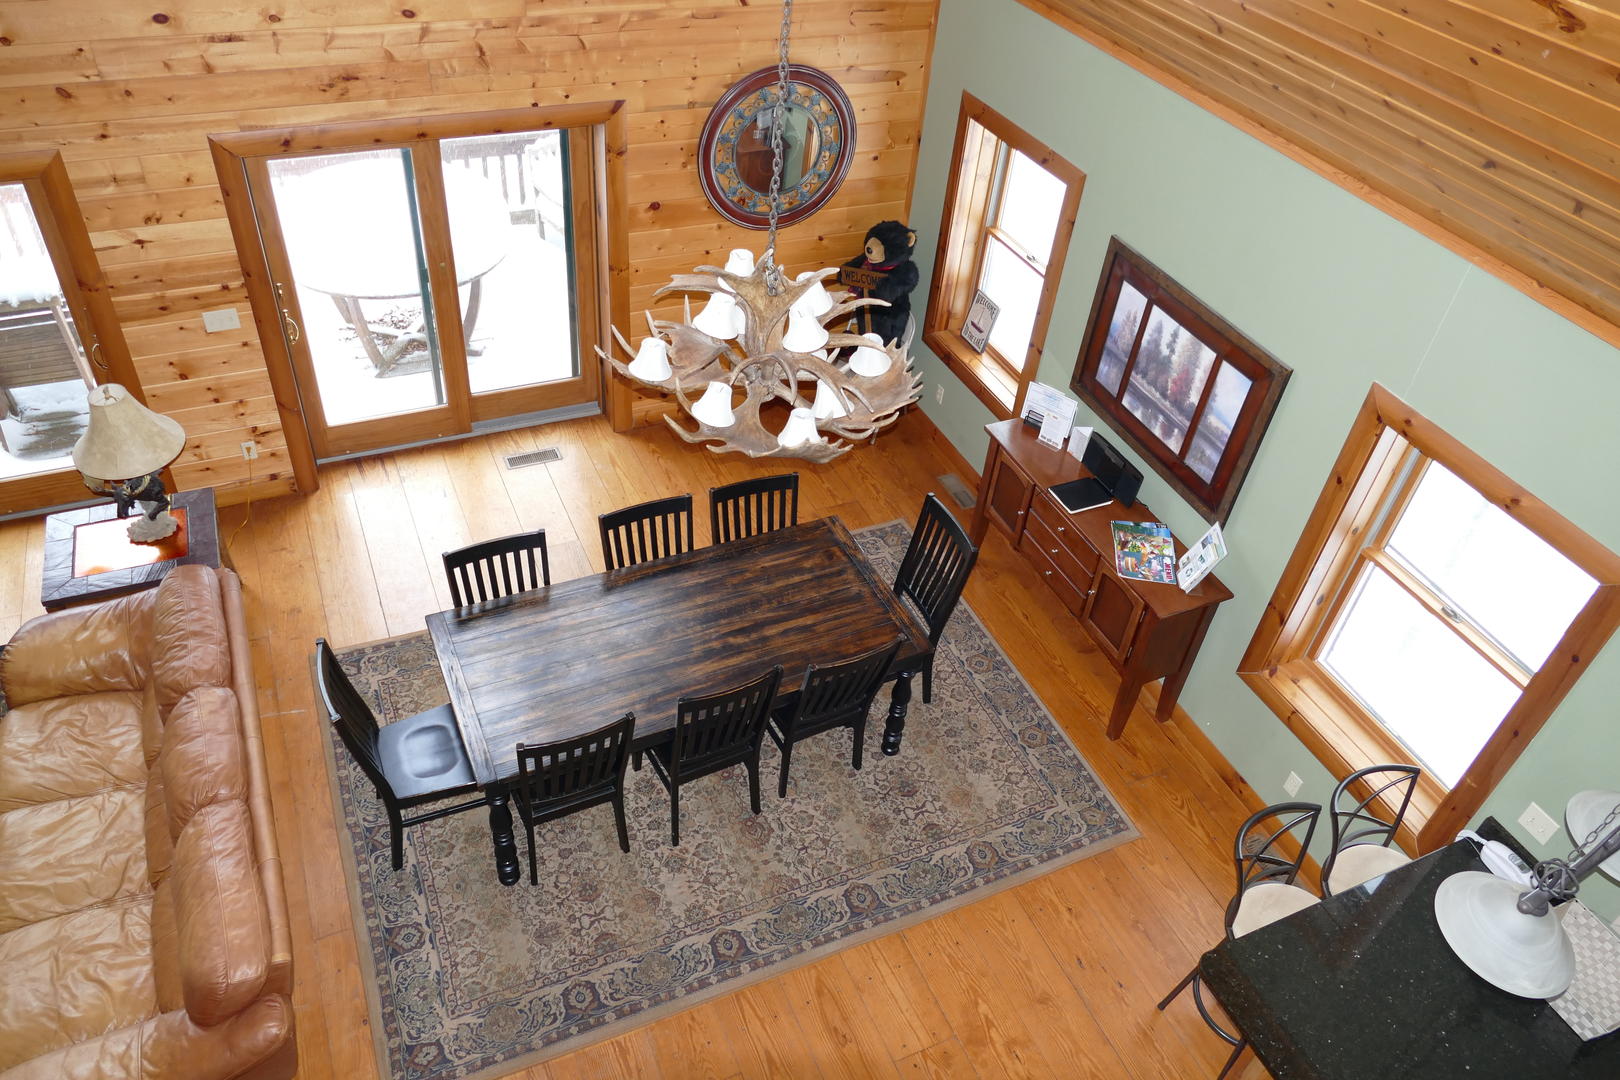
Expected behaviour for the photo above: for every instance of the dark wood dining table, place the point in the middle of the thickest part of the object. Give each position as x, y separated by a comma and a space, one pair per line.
562, 660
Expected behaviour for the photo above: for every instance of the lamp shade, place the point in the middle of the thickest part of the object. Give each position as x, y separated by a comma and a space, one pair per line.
1584, 814
124, 439
800, 429
718, 318
1527, 955
815, 300
714, 407
740, 262
804, 333
870, 360
827, 406
652, 360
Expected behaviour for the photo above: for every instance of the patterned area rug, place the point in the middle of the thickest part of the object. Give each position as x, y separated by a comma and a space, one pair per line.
471, 979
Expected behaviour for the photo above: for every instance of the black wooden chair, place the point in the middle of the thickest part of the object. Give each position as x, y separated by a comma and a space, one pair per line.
573, 774
838, 695
495, 568
712, 733
750, 507
1265, 891
649, 530
410, 762
1362, 841
934, 572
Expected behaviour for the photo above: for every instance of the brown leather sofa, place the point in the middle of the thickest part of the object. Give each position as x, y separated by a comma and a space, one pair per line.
143, 924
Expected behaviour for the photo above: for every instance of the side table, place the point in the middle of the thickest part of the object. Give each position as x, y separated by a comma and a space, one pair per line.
89, 556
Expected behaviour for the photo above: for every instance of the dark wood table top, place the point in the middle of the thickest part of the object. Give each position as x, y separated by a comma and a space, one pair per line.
199, 537
558, 661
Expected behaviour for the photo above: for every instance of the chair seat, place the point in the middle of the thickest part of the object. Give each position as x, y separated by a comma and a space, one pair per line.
423, 754
1363, 862
1265, 903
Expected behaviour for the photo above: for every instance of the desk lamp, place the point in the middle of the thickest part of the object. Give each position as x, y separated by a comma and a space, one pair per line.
1509, 935
122, 451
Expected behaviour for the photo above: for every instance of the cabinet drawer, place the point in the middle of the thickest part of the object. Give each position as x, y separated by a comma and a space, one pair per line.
1060, 523
1073, 596
1078, 569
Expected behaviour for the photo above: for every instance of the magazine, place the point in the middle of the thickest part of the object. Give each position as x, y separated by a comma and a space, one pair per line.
1201, 558
1144, 551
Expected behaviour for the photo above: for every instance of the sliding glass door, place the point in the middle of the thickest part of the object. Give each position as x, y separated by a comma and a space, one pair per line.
422, 284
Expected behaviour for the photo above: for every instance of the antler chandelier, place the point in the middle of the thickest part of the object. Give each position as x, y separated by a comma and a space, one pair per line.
770, 337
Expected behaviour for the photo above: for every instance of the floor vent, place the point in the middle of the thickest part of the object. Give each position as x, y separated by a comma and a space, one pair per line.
533, 457
957, 490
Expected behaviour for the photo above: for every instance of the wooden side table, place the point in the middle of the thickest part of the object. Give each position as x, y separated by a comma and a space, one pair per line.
1147, 630
89, 556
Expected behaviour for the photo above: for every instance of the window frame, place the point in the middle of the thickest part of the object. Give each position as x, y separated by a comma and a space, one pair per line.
1268, 377
984, 141
1354, 514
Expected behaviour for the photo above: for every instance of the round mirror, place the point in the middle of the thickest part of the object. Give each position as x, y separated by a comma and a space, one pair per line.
735, 155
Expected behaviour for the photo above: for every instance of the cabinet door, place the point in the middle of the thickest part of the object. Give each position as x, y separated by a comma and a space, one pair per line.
1009, 494
1113, 614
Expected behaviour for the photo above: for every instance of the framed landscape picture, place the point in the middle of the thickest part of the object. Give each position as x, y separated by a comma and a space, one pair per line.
1182, 386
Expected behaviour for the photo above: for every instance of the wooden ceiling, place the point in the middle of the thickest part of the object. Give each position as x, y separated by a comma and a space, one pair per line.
1495, 122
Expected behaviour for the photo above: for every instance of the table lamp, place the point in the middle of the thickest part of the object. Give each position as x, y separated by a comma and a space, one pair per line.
1509, 935
123, 449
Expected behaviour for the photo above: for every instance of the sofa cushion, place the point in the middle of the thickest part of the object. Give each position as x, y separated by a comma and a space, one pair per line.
224, 933
82, 650
189, 646
159, 841
64, 856
202, 758
62, 748
74, 977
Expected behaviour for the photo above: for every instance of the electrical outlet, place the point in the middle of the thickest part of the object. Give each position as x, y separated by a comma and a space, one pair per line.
1541, 824
250, 450
939, 393
1293, 784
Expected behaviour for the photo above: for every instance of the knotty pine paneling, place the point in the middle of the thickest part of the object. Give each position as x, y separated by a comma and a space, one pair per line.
1494, 124
129, 96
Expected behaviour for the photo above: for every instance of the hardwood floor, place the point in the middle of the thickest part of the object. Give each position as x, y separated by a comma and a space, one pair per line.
1054, 978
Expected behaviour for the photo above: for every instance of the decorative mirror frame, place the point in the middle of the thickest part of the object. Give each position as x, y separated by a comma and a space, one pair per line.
813, 90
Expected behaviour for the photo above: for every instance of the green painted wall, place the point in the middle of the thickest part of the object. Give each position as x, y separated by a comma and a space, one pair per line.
1339, 291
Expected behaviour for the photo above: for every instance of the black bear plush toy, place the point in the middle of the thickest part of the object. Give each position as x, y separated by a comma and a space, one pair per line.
888, 253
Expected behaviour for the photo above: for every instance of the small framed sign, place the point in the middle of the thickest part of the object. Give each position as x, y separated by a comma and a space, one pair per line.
981, 317
860, 278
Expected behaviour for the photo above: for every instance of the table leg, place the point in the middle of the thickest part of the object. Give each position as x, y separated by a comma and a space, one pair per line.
1178, 678
895, 726
1130, 686
500, 829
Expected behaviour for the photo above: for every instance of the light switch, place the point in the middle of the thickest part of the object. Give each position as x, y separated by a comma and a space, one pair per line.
224, 318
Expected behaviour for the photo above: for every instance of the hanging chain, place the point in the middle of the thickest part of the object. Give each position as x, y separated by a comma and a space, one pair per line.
1554, 877
773, 270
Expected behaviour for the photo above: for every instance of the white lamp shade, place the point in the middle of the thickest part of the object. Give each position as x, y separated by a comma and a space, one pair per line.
804, 333
714, 407
1527, 955
800, 429
739, 319
827, 406
1585, 812
652, 360
740, 262
125, 439
718, 318
870, 360
815, 300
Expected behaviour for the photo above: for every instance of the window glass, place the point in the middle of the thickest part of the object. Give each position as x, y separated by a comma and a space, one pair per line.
1121, 336
1031, 202
1471, 551
1429, 688
1171, 368
1016, 289
1215, 427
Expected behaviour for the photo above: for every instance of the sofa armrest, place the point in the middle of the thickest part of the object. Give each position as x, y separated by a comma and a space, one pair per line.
83, 650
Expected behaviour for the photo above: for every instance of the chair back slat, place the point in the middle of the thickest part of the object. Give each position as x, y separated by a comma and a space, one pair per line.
1260, 852
577, 766
1356, 822
724, 725
649, 530
494, 568
936, 565
835, 692
750, 507
349, 716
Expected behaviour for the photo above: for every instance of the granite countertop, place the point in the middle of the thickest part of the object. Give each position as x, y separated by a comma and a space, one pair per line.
1363, 985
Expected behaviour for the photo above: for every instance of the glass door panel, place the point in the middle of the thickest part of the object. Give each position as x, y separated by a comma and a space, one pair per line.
352, 231
43, 370
508, 200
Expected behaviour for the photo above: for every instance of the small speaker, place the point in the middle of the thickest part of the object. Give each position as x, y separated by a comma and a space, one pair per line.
1129, 483
1122, 479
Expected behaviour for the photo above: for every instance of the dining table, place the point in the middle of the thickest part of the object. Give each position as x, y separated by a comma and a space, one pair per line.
558, 661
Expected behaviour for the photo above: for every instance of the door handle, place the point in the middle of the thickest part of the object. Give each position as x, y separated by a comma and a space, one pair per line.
95, 357
289, 324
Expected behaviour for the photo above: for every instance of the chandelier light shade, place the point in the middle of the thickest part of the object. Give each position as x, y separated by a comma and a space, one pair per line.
651, 364
870, 360
827, 406
124, 439
816, 301
718, 319
714, 408
805, 334
800, 429
740, 263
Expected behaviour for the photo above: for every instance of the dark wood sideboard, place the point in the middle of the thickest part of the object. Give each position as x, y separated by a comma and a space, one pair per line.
1147, 630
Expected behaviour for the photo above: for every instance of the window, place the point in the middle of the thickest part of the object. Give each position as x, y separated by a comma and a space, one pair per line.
1005, 232
1189, 392
1433, 612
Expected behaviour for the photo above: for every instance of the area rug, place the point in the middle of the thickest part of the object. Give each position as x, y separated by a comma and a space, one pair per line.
469, 979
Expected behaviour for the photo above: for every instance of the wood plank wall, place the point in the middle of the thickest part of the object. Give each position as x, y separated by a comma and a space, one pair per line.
129, 95
1495, 122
